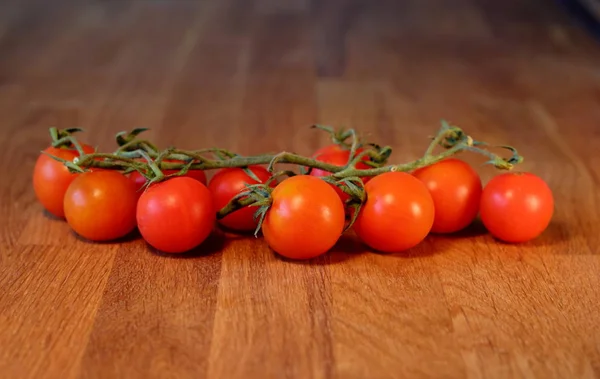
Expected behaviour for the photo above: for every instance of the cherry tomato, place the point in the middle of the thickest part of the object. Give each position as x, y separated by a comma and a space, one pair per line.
306, 218
229, 182
456, 190
140, 180
100, 205
327, 149
176, 215
398, 213
51, 178
516, 207
338, 158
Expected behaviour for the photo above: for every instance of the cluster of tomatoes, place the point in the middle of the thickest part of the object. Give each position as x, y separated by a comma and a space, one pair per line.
306, 215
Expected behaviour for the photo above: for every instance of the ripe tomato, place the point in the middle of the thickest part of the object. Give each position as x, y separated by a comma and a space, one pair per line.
100, 205
327, 149
52, 178
176, 215
516, 207
338, 158
229, 182
456, 190
306, 218
398, 213
140, 180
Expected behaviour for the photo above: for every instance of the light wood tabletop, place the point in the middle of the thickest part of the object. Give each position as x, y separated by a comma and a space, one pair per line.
252, 76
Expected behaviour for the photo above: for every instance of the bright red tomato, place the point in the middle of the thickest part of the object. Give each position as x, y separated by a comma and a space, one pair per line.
398, 213
516, 207
100, 205
306, 218
176, 215
338, 158
52, 178
456, 190
229, 182
140, 180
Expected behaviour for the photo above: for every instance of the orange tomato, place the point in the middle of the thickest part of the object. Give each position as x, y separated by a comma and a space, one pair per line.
101, 205
51, 178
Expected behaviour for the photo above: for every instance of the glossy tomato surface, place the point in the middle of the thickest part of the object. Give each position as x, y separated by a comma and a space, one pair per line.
456, 190
398, 213
229, 182
52, 178
100, 206
516, 207
176, 215
306, 218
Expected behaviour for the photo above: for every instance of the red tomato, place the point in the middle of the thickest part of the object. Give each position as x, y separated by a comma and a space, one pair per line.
140, 180
100, 206
339, 158
229, 182
306, 218
516, 207
52, 178
176, 215
327, 149
398, 213
456, 190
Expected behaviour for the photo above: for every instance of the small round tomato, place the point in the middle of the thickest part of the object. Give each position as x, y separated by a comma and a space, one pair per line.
51, 178
331, 148
516, 207
176, 215
100, 205
398, 213
229, 182
306, 218
140, 180
337, 158
456, 190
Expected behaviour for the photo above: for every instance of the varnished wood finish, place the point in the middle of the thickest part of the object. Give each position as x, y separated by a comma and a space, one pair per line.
251, 76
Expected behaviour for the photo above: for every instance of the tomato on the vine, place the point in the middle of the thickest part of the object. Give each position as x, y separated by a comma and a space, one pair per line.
338, 158
176, 215
398, 213
306, 218
456, 190
51, 178
100, 205
516, 207
229, 182
140, 180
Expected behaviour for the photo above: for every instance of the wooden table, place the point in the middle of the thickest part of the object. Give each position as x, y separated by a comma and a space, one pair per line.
251, 76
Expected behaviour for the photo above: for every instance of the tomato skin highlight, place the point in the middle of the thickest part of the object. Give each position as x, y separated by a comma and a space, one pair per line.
398, 213
516, 207
306, 218
229, 182
456, 190
52, 178
175, 215
100, 205
338, 158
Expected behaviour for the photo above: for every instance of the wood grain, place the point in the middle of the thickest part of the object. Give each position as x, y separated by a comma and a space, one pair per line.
251, 76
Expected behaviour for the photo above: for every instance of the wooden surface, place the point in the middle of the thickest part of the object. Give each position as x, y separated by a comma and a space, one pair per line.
252, 76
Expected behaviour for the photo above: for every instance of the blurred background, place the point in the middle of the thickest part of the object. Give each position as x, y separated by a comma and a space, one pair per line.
251, 75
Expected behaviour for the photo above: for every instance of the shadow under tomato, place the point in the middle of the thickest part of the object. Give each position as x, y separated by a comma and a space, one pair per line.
347, 247
475, 229
51, 216
132, 236
558, 232
214, 243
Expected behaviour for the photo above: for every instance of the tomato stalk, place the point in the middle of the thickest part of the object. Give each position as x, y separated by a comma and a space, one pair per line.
134, 154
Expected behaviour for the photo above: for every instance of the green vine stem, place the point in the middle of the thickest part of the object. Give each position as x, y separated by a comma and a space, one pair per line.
143, 156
